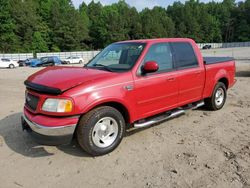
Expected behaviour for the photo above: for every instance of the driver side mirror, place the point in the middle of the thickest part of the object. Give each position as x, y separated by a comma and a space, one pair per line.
149, 67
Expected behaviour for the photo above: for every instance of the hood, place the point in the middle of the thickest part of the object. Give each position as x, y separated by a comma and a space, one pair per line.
61, 79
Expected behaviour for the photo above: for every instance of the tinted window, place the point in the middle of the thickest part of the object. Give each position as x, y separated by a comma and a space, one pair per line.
6, 60
43, 59
161, 54
184, 55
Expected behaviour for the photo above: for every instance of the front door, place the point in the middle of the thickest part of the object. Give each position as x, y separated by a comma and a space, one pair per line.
157, 92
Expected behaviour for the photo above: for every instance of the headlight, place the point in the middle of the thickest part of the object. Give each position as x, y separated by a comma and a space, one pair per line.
57, 105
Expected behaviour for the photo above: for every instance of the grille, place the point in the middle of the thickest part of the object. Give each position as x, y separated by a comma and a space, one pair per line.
31, 101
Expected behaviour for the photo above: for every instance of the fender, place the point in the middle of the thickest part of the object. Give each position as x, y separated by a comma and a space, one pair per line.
222, 73
101, 101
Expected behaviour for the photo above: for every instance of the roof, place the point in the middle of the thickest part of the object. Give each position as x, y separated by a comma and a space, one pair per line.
157, 40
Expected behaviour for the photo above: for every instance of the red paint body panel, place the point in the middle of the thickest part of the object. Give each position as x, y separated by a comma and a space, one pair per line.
215, 72
150, 94
155, 94
65, 78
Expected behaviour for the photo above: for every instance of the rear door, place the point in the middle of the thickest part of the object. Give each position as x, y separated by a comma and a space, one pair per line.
157, 92
191, 75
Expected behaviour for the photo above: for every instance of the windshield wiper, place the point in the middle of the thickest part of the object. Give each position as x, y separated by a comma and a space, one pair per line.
103, 67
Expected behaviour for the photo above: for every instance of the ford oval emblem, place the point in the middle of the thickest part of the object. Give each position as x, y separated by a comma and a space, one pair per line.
28, 98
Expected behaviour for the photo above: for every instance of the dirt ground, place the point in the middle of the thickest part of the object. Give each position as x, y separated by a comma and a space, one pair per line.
198, 149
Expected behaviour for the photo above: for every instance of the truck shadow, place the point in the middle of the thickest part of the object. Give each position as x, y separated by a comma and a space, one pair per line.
132, 131
242, 74
21, 142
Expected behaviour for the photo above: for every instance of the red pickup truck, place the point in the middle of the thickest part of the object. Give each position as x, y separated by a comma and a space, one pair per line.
129, 84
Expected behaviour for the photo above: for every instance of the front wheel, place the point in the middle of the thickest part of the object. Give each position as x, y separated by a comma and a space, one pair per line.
218, 98
101, 130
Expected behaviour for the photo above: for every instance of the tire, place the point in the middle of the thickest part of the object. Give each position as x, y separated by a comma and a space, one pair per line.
80, 62
218, 98
101, 130
11, 66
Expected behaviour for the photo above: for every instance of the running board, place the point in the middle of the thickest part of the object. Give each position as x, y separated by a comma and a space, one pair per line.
166, 116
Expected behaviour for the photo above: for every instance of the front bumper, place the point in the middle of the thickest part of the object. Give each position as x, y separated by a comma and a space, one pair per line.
49, 135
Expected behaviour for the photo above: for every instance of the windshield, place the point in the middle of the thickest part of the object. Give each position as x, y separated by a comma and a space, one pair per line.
44, 59
117, 57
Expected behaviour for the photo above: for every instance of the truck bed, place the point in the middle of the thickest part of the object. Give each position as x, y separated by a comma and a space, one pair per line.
213, 60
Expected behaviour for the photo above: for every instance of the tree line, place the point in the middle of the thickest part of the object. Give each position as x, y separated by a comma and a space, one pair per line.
56, 25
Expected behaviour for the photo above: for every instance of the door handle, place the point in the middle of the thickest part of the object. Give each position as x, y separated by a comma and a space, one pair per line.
197, 72
171, 79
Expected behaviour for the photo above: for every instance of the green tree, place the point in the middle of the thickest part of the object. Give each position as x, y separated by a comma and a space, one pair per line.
68, 29
94, 13
185, 17
156, 23
27, 20
222, 12
85, 24
7, 28
136, 31
242, 24
38, 43
56, 25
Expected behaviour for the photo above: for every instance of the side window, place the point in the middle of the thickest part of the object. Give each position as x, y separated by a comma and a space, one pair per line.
184, 55
5, 60
133, 55
161, 54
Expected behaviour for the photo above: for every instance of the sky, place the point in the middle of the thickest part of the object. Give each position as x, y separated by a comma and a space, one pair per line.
139, 4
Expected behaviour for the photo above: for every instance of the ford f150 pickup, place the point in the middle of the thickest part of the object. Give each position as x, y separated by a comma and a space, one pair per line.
129, 84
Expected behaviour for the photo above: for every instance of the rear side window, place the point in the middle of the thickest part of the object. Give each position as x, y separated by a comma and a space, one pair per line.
184, 55
5, 60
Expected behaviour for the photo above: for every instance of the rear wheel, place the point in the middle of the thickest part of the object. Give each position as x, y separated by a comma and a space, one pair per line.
218, 98
101, 130
11, 66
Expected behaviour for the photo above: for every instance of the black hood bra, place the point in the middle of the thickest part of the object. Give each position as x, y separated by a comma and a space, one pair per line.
42, 89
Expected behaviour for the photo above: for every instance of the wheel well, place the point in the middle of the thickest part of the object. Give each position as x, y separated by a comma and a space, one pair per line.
224, 81
120, 107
